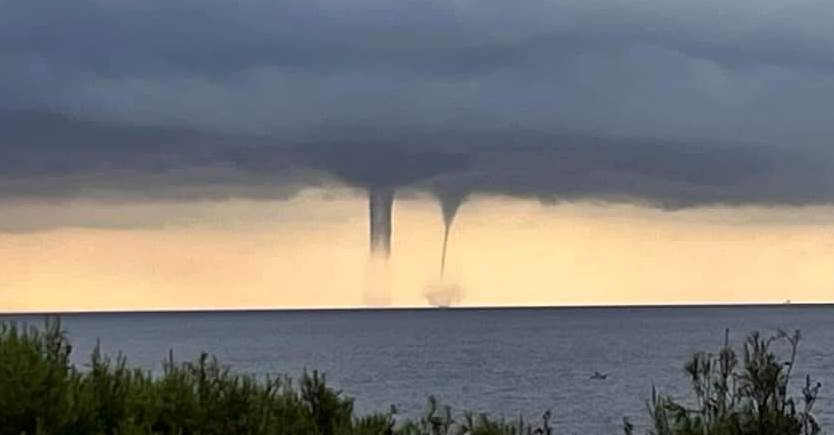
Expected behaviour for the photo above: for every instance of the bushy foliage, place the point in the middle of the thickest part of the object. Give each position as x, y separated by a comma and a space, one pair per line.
743, 397
439, 421
42, 393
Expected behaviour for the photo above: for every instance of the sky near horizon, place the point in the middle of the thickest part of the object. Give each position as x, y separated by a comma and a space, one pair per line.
312, 251
205, 154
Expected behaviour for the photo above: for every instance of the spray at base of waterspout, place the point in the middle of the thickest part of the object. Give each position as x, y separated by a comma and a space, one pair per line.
443, 294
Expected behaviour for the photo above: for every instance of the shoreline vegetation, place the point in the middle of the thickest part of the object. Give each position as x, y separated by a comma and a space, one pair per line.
42, 393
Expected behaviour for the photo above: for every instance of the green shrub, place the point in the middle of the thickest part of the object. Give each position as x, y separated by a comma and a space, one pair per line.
735, 397
439, 421
42, 393
36, 381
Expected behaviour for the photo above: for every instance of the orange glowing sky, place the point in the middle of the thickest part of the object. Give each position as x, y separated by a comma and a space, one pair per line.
312, 251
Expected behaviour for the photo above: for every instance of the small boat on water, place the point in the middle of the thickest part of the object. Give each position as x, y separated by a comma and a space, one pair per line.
597, 376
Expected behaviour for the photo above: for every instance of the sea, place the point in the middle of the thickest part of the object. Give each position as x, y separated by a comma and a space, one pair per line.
506, 362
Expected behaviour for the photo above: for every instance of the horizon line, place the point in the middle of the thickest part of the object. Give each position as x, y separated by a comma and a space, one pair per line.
358, 308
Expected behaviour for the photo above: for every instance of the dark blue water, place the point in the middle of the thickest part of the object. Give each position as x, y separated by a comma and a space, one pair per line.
506, 362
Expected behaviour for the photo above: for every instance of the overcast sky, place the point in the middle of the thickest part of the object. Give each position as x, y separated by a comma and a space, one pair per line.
158, 153
732, 70
677, 103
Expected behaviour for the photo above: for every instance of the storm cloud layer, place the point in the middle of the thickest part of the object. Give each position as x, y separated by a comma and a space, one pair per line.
664, 103
53, 157
729, 70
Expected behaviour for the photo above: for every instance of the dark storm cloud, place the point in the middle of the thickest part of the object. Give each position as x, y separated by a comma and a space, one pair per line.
51, 156
205, 99
215, 38
737, 70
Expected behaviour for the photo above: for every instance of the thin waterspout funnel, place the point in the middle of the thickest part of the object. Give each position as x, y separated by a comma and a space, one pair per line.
449, 205
448, 219
443, 293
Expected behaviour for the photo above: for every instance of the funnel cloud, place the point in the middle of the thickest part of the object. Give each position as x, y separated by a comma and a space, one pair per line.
380, 204
450, 202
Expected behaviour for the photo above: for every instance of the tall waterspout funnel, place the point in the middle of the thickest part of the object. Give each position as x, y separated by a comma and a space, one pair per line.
378, 273
443, 293
380, 203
